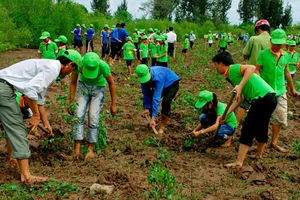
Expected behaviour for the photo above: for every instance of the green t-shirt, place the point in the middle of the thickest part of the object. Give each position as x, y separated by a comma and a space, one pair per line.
186, 43
255, 45
254, 88
48, 51
160, 51
293, 59
135, 37
272, 70
100, 80
144, 49
230, 119
223, 42
129, 49
61, 51
152, 49
210, 37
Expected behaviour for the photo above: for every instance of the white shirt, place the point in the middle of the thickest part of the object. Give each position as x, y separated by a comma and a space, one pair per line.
192, 37
172, 37
32, 77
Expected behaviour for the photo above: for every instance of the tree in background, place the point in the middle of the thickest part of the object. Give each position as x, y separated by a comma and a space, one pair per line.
159, 9
101, 6
192, 10
123, 5
247, 10
122, 14
287, 16
219, 10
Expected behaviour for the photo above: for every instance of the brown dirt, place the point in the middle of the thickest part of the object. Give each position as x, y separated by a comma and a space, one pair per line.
125, 162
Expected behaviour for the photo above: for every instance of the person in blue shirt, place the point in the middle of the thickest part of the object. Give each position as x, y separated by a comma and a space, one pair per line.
114, 44
77, 38
123, 34
104, 37
157, 82
246, 38
89, 38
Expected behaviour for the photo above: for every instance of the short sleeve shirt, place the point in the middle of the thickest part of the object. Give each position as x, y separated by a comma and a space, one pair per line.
144, 49
153, 49
255, 87
255, 45
104, 37
100, 80
186, 43
230, 119
49, 50
129, 49
160, 51
61, 51
90, 32
272, 70
293, 59
223, 42
135, 37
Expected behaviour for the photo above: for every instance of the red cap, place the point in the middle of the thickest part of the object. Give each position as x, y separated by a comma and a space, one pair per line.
262, 22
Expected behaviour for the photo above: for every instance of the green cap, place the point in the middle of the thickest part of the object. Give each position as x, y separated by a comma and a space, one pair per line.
165, 36
292, 43
191, 32
155, 30
144, 37
106, 26
209, 31
113, 26
135, 30
45, 35
278, 36
129, 38
186, 35
61, 39
143, 73
160, 38
77, 24
91, 25
203, 98
83, 25
150, 30
155, 37
74, 56
91, 62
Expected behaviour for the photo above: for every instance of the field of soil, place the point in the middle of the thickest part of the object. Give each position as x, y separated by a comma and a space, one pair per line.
133, 148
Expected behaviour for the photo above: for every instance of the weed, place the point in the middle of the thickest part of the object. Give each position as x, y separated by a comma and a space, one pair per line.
286, 176
163, 155
102, 138
152, 141
188, 142
296, 146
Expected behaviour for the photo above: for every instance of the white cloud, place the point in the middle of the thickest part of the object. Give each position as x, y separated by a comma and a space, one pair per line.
234, 18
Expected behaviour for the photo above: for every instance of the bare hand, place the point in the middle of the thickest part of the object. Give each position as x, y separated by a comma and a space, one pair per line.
238, 91
113, 110
145, 113
195, 133
222, 121
48, 127
294, 93
152, 123
34, 122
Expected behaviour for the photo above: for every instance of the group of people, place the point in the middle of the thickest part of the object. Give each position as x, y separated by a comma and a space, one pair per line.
259, 86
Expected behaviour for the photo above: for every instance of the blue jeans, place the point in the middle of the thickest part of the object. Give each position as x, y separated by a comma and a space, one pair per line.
92, 96
225, 129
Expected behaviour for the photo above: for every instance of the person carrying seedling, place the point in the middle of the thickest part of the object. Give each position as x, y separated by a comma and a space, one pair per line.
153, 50
209, 39
248, 85
162, 52
157, 83
251, 51
47, 48
143, 50
93, 76
272, 66
212, 110
222, 43
185, 46
129, 53
31, 77
62, 44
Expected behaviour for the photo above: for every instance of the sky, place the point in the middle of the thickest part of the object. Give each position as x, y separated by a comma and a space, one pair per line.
233, 16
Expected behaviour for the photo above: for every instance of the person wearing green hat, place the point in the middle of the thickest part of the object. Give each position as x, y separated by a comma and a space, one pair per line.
250, 86
135, 37
77, 32
162, 52
186, 46
47, 48
104, 41
90, 88
272, 66
293, 58
209, 39
192, 39
222, 43
153, 50
32, 78
143, 50
157, 83
212, 111
62, 44
129, 53
90, 34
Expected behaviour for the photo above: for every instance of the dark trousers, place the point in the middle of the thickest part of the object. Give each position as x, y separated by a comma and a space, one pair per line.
171, 49
91, 45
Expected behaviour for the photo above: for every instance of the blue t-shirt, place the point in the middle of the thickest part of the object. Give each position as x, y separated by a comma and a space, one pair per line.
114, 35
123, 34
104, 37
161, 78
89, 33
77, 33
